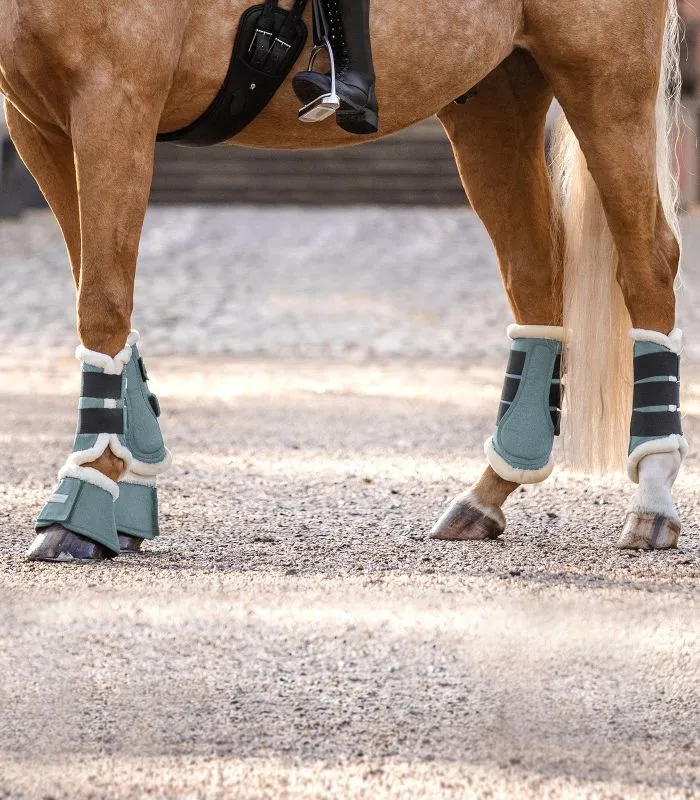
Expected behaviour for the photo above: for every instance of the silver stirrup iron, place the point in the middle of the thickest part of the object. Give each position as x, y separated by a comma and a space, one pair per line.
327, 104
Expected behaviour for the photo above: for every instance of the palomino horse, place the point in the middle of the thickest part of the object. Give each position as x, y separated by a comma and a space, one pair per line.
90, 83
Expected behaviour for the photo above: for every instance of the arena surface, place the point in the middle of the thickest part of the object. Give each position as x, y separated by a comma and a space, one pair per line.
327, 380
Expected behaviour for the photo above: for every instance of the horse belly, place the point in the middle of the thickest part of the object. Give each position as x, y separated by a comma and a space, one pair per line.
424, 59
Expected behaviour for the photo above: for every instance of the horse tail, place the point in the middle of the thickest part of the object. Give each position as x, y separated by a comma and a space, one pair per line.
598, 360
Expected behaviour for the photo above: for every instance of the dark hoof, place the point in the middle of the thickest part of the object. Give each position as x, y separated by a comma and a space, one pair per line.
57, 544
649, 532
464, 521
129, 544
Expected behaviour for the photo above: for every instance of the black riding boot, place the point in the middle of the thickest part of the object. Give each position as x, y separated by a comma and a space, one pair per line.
348, 32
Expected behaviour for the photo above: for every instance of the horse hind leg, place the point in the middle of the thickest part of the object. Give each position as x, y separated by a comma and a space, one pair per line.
498, 141
107, 486
618, 108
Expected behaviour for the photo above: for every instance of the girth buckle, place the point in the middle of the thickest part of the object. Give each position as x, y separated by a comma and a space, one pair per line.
254, 41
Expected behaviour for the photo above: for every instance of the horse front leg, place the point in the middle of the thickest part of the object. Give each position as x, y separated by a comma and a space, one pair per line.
106, 489
498, 140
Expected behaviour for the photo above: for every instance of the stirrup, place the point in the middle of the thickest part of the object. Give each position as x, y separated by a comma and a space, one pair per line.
327, 104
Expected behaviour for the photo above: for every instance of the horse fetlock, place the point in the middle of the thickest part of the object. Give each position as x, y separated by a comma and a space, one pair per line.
520, 449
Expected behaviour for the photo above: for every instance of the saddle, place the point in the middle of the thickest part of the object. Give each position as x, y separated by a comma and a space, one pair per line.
268, 43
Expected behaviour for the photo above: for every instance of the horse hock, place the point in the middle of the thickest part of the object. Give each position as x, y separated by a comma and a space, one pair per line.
89, 515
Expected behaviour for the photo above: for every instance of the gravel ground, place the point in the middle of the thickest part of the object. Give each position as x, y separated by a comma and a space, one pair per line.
294, 633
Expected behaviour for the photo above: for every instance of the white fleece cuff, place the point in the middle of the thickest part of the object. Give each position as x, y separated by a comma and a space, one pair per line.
139, 480
151, 470
515, 474
553, 332
669, 444
674, 341
89, 475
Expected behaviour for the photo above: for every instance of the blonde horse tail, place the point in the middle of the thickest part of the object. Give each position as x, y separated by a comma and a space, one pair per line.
598, 360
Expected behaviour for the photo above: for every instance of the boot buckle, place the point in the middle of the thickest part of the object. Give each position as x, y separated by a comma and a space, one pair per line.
327, 104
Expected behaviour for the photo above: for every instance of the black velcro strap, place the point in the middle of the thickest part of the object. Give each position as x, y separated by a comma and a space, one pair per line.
554, 413
556, 420
555, 395
155, 404
142, 370
658, 393
655, 423
101, 386
516, 362
656, 365
556, 372
101, 420
510, 389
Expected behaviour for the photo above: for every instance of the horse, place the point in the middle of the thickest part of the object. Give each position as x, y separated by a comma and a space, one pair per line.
588, 245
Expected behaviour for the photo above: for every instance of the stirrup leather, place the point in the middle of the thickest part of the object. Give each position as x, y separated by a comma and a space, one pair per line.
327, 104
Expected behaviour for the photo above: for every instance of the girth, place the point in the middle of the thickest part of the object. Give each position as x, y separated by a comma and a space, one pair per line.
268, 43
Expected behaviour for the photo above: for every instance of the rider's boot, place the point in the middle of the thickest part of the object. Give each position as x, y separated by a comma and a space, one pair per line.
349, 37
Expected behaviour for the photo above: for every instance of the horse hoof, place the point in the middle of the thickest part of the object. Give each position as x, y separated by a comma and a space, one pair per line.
129, 544
649, 532
467, 521
55, 543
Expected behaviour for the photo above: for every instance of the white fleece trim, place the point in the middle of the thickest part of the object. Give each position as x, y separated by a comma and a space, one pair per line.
669, 444
674, 341
133, 338
104, 440
553, 332
501, 467
109, 365
138, 480
146, 470
90, 475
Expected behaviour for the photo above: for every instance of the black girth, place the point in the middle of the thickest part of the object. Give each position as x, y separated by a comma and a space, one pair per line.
268, 43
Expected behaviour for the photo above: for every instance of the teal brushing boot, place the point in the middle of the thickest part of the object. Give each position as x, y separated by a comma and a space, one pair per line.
136, 510
520, 449
78, 521
657, 445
